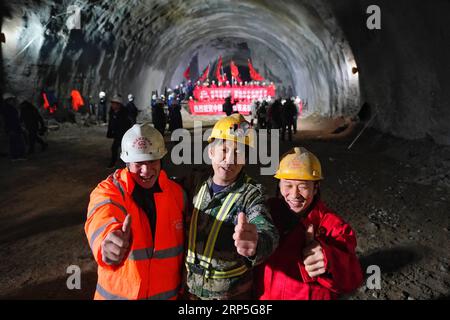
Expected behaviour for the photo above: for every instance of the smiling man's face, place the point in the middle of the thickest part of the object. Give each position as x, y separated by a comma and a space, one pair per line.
298, 194
227, 159
145, 173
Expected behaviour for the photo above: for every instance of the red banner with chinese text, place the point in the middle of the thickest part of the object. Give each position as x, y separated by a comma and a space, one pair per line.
215, 107
249, 93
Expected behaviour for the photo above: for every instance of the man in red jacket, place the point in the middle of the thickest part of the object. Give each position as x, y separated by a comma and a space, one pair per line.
316, 257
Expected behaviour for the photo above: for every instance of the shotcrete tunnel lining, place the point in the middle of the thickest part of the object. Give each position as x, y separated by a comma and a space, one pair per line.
315, 61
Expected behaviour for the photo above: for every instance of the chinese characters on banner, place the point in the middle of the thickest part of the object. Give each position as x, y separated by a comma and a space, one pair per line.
215, 107
209, 101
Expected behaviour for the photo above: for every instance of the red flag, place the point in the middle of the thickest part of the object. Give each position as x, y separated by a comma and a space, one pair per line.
77, 100
187, 72
205, 74
218, 69
253, 74
46, 104
235, 71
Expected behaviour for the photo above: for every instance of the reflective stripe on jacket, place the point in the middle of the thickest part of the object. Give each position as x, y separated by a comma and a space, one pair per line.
153, 267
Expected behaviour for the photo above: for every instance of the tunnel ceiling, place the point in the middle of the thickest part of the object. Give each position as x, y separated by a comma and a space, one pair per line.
140, 46
310, 45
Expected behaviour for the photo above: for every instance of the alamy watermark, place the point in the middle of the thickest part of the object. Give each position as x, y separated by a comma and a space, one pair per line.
374, 20
373, 281
74, 280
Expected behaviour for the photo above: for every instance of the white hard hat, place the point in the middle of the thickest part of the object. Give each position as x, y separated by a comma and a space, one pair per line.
7, 96
142, 142
117, 98
163, 96
154, 97
102, 94
130, 97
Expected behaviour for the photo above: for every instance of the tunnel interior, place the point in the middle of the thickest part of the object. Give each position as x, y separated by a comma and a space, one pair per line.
389, 84
140, 47
310, 46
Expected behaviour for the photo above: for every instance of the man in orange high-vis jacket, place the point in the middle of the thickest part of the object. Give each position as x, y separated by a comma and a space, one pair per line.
135, 224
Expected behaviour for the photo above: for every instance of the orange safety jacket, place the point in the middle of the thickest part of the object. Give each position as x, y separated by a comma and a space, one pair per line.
153, 267
77, 100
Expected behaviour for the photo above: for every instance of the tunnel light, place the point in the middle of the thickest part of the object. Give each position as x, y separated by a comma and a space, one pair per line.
11, 29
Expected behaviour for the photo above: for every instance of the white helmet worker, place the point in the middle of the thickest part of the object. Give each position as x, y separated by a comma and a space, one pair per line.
7, 96
142, 142
102, 94
130, 97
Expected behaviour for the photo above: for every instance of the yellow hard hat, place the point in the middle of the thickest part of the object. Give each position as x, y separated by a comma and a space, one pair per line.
299, 164
233, 128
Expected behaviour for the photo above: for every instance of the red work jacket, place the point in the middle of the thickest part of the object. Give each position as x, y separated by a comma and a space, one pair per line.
284, 277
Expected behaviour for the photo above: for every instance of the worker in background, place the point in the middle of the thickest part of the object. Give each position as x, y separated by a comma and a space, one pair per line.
298, 108
288, 113
102, 108
125, 213
159, 117
253, 117
153, 101
34, 124
316, 257
91, 108
230, 229
227, 107
118, 124
175, 118
13, 128
261, 113
132, 109
77, 101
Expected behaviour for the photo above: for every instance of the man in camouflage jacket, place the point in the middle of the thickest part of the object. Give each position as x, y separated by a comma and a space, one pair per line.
230, 229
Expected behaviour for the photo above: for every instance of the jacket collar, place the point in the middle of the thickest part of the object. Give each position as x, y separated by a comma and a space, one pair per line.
236, 187
129, 184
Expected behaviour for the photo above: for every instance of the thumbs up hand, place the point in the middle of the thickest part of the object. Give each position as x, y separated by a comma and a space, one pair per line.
313, 257
116, 243
245, 237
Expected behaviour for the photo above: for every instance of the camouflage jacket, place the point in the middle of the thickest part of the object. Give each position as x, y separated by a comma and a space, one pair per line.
225, 257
